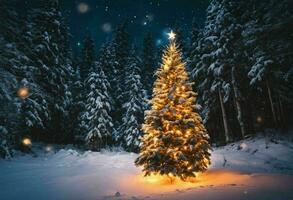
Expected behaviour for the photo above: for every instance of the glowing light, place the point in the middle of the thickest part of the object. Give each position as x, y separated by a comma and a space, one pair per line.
146, 185
259, 119
152, 179
158, 42
26, 142
171, 35
49, 148
83, 7
23, 92
107, 27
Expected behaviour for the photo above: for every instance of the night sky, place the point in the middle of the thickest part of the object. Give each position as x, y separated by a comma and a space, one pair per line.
99, 17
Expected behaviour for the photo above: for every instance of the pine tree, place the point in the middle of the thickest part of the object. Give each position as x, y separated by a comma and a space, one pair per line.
175, 141
78, 104
106, 59
180, 39
211, 71
96, 122
31, 113
88, 58
120, 45
8, 113
33, 110
193, 54
148, 62
134, 107
50, 54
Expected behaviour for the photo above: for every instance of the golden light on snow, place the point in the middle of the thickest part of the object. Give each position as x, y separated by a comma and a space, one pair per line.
171, 35
23, 92
26, 141
157, 184
168, 180
83, 7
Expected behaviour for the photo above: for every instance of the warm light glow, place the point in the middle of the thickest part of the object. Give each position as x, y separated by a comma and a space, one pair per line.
26, 141
23, 92
171, 35
259, 119
137, 183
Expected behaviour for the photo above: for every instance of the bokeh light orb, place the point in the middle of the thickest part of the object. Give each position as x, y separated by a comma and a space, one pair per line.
23, 92
83, 8
49, 148
259, 119
26, 142
107, 27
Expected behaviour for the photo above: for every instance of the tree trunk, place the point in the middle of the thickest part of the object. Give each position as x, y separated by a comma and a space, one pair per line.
282, 118
237, 102
227, 139
271, 102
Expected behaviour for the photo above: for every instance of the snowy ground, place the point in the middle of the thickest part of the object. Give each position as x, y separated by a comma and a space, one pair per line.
259, 168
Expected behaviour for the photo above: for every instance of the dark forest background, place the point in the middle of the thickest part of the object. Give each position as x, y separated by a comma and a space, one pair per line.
240, 62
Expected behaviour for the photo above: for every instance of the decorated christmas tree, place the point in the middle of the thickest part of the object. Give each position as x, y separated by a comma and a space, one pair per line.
175, 142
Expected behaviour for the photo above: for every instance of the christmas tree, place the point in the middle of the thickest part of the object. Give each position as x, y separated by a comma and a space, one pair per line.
175, 141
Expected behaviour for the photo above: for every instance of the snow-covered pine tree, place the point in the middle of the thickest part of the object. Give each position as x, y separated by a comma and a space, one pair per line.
33, 111
268, 47
148, 62
194, 34
211, 71
120, 45
226, 64
88, 58
175, 141
49, 40
14, 57
178, 30
106, 59
192, 52
78, 104
8, 112
136, 102
96, 123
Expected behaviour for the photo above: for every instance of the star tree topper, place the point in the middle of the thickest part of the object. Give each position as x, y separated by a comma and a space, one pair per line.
171, 35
